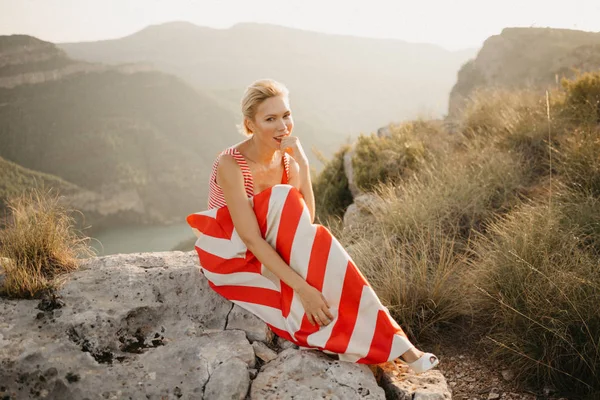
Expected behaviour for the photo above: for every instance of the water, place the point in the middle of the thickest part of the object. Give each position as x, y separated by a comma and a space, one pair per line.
133, 239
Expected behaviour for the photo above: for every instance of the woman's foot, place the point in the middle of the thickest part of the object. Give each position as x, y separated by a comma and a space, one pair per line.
419, 361
411, 355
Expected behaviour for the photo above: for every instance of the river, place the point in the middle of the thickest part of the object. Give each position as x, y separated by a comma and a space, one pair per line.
133, 239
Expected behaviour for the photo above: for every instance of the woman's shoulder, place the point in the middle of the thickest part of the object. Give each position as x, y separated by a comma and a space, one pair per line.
233, 150
231, 159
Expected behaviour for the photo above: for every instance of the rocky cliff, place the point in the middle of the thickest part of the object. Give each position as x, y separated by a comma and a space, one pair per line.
526, 57
139, 143
28, 60
149, 326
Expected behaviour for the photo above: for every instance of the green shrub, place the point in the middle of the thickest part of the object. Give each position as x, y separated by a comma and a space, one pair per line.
540, 292
38, 244
390, 158
582, 102
332, 195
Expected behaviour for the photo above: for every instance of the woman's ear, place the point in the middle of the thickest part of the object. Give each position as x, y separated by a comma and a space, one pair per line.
249, 125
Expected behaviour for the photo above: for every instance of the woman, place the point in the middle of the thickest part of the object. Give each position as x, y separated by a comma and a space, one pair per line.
259, 248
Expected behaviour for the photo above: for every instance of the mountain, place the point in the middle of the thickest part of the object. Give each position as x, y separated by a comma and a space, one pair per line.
527, 57
339, 85
14, 178
138, 143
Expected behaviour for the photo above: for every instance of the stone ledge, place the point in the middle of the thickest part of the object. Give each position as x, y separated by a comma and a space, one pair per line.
147, 325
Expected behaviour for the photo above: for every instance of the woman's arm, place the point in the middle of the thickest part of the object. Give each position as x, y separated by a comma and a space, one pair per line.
300, 172
231, 181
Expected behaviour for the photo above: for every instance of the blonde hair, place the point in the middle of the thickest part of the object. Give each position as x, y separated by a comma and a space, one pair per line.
254, 95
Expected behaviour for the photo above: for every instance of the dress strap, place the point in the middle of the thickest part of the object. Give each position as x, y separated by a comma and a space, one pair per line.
286, 169
239, 158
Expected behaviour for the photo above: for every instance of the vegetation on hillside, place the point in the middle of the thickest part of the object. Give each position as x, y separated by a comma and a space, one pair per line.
388, 159
14, 179
145, 131
497, 233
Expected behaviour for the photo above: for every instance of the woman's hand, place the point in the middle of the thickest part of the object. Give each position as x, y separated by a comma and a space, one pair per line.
315, 306
292, 146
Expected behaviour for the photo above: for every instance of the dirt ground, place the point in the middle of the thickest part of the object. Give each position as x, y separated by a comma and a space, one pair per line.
472, 376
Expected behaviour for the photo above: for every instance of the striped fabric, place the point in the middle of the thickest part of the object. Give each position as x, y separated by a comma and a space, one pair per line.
362, 330
215, 194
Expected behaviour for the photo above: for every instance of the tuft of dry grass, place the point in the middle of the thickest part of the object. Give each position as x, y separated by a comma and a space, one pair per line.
515, 121
422, 281
579, 159
539, 291
38, 244
457, 193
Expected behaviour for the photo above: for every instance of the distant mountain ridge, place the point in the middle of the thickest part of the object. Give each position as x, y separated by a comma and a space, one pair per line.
137, 145
340, 85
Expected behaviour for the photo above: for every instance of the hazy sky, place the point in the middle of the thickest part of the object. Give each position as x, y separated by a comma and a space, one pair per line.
453, 24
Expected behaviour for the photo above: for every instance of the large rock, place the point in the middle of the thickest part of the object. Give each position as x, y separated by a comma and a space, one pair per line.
148, 326
402, 385
138, 325
357, 214
349, 172
230, 381
308, 374
255, 328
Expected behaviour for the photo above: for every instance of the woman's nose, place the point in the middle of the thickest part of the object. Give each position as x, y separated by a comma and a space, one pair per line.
283, 126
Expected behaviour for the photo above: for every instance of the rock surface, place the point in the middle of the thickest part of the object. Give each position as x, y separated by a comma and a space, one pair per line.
349, 172
402, 385
308, 374
357, 214
148, 326
244, 320
263, 352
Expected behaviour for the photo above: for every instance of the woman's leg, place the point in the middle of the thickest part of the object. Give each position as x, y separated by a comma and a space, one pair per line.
362, 330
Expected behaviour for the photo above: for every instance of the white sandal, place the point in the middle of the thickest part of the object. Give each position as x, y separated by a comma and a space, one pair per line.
426, 362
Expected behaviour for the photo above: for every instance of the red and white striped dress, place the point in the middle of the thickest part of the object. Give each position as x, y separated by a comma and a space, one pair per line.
215, 194
362, 329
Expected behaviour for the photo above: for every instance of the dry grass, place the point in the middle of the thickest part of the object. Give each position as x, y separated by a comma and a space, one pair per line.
582, 102
422, 282
579, 159
516, 121
39, 244
539, 291
457, 193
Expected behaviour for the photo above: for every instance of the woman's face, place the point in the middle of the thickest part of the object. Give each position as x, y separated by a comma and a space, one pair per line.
273, 121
